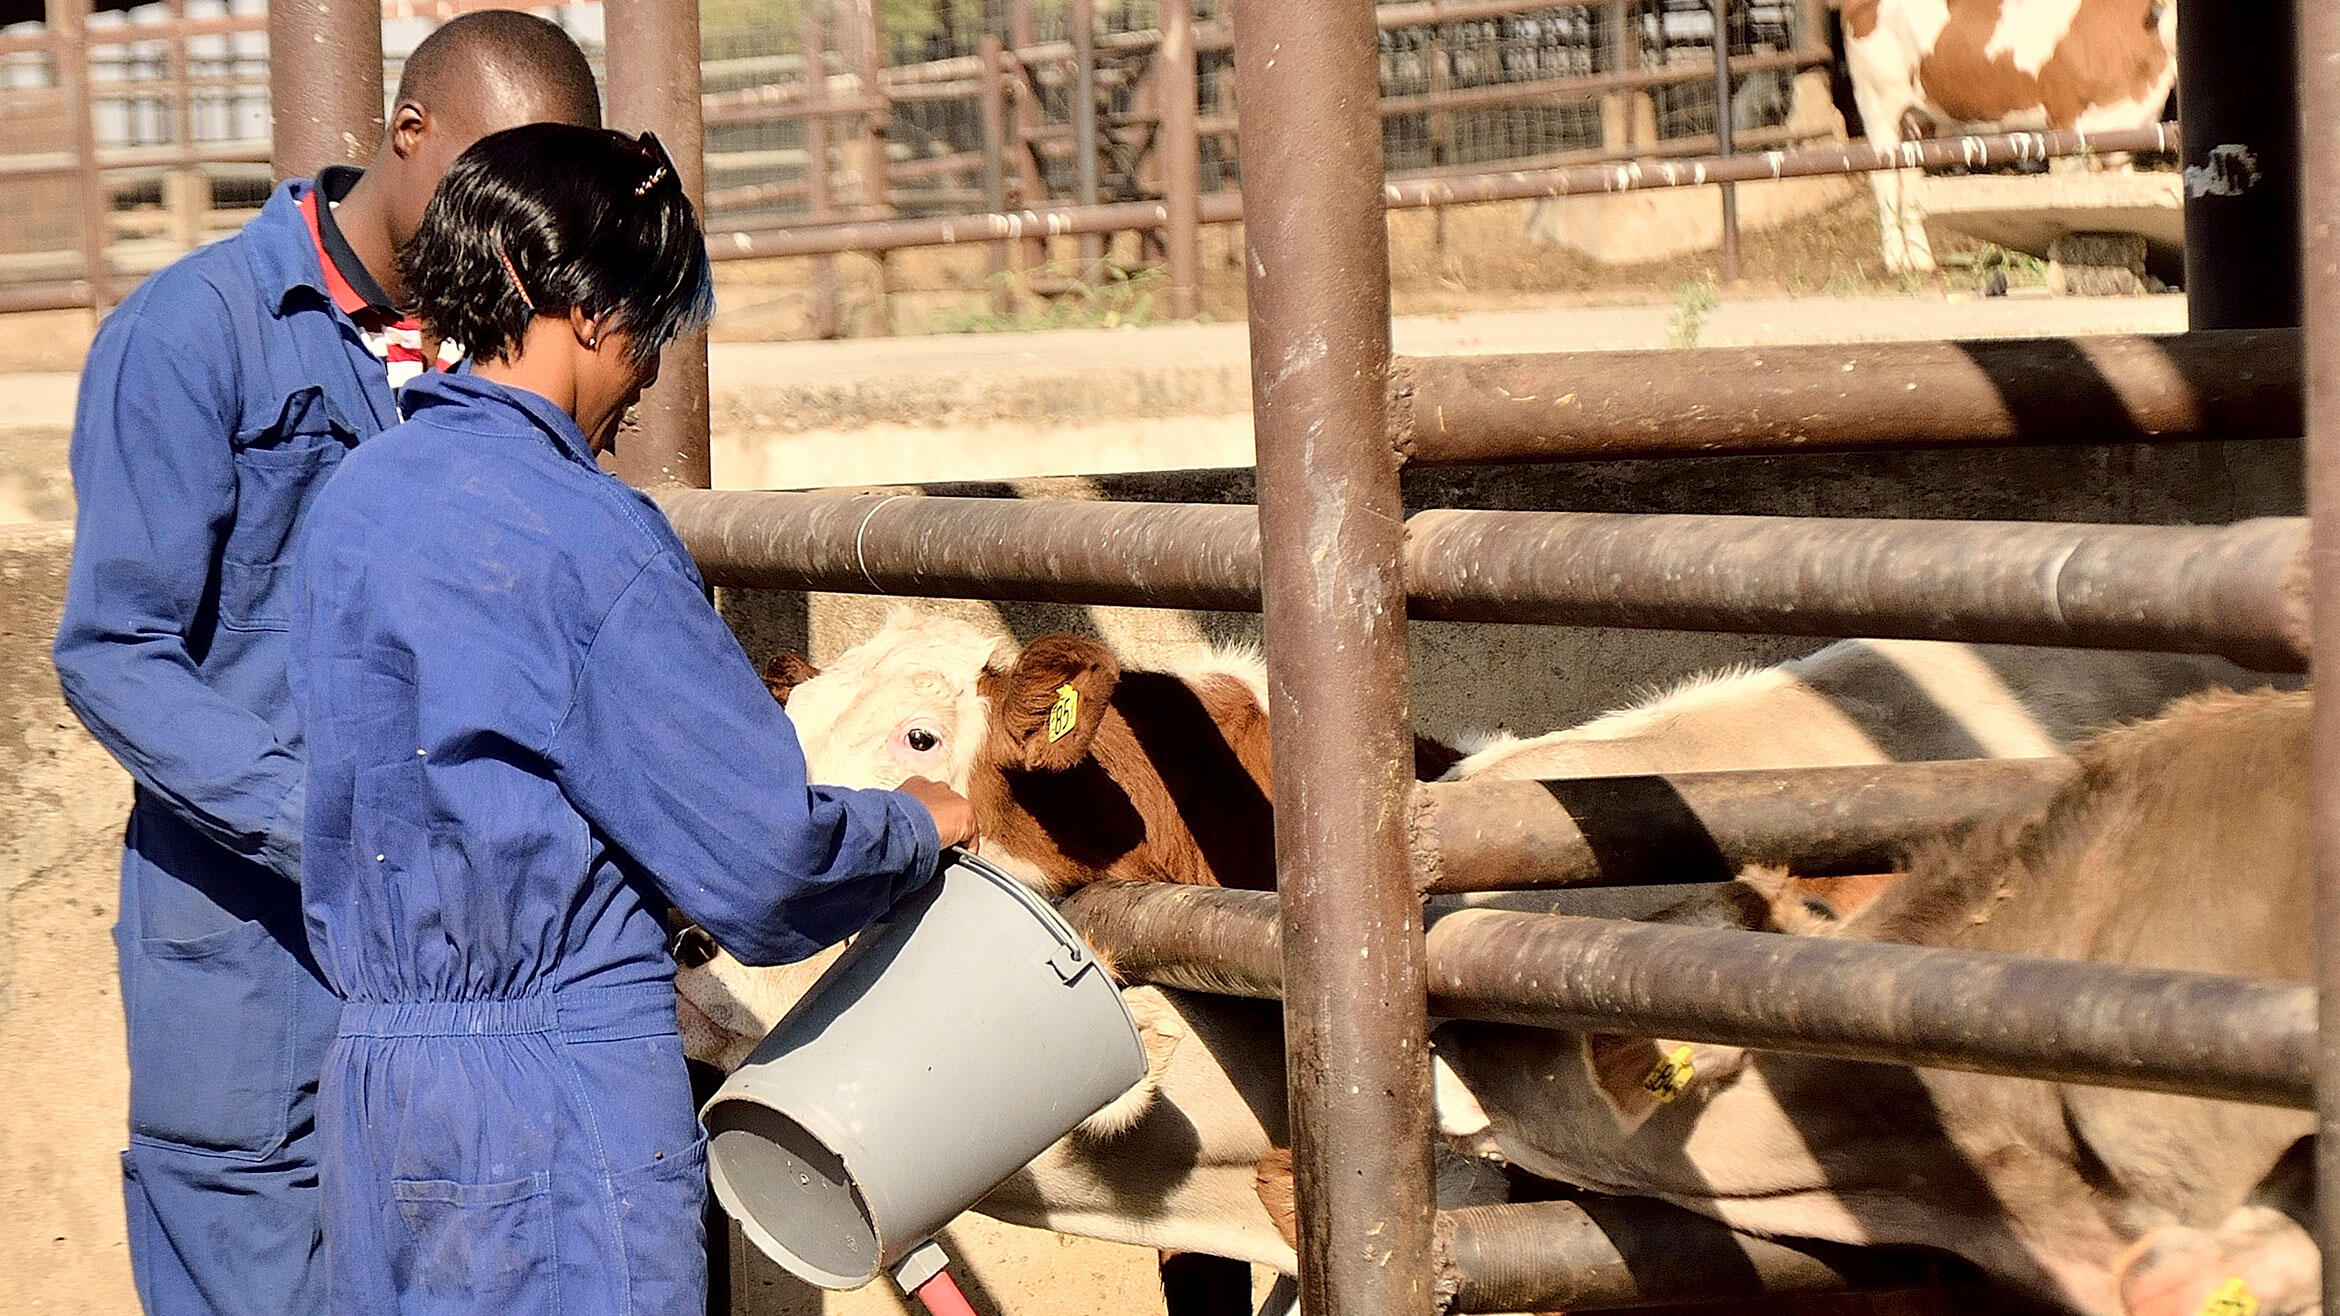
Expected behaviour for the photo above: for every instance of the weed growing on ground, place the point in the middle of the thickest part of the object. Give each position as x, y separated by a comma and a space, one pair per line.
1693, 300
1123, 297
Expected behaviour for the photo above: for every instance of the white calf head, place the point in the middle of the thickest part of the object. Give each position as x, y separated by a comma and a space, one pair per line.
904, 703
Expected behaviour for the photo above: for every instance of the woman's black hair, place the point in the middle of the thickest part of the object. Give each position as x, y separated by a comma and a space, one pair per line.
549, 218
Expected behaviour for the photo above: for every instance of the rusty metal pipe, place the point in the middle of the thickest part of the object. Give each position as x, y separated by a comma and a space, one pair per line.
1614, 1252
1853, 158
69, 19
1706, 826
2318, 52
949, 230
1599, 405
1181, 160
653, 83
2234, 590
2237, 590
324, 83
1197, 556
1630, 176
1332, 539
2197, 1034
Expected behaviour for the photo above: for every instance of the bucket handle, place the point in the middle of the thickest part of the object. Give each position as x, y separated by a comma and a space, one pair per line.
1073, 957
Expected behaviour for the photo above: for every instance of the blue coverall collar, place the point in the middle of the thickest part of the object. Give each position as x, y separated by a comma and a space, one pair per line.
283, 255
505, 407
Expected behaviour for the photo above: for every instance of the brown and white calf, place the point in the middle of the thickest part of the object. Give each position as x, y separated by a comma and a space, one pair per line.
1174, 1165
2182, 845
1924, 68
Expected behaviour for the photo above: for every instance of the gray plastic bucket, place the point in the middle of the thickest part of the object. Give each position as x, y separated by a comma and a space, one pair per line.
952, 1042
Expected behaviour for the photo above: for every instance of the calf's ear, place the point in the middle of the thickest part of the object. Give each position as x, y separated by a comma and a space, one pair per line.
785, 672
1046, 709
1637, 1076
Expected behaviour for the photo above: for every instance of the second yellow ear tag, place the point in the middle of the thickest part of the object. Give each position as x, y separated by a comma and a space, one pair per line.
1064, 714
1671, 1076
2233, 1298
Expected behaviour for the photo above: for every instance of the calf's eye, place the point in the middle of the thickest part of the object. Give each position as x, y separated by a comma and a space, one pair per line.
922, 740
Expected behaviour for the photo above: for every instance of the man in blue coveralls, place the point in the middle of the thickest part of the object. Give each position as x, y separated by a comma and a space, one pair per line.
215, 402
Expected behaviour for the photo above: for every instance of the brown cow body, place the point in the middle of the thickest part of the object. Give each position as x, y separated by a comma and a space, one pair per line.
2184, 846
1931, 67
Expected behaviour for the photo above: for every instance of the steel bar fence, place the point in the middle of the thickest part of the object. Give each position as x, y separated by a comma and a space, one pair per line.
2236, 590
2318, 37
2066, 1021
653, 82
1633, 176
325, 107
2224, 384
1331, 537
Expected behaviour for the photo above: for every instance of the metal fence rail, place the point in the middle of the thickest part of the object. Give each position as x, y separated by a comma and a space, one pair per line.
1417, 193
2236, 590
2066, 1021
2225, 384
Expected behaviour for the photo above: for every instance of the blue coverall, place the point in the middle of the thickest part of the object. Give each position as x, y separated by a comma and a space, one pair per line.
528, 730
215, 401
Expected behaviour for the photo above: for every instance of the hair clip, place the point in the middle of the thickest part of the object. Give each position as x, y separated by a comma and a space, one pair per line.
513, 273
654, 152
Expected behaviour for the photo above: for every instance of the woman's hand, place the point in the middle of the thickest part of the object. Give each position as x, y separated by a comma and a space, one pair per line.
954, 817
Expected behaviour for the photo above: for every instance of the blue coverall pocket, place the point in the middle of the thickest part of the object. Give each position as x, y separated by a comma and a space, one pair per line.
475, 1247
279, 468
211, 1024
663, 1208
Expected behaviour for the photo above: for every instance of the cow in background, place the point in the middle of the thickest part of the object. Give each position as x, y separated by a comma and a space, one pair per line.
2182, 844
1925, 68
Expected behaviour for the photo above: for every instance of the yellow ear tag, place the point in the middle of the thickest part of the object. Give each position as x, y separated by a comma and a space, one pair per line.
1066, 712
2233, 1298
1671, 1076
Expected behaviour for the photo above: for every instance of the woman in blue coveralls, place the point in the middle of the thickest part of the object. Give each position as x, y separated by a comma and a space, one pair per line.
528, 731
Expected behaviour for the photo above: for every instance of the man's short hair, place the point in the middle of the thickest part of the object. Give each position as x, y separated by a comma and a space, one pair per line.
521, 49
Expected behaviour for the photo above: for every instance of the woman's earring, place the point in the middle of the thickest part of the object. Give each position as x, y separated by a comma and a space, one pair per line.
592, 341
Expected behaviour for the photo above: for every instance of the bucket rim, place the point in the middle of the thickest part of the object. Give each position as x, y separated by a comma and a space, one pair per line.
829, 1135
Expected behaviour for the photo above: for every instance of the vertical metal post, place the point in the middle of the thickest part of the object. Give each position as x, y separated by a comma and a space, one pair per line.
324, 83
812, 50
876, 199
2238, 108
654, 84
1084, 117
188, 193
1031, 184
2319, 142
1441, 123
69, 21
1334, 600
1181, 158
869, 47
1722, 137
994, 114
